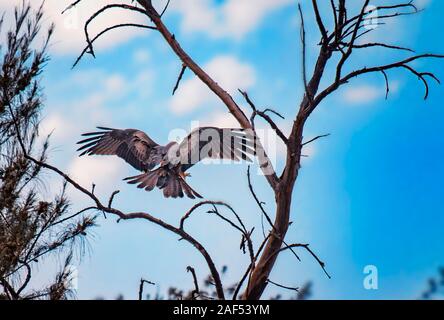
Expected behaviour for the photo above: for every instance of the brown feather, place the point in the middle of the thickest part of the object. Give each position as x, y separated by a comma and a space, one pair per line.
132, 145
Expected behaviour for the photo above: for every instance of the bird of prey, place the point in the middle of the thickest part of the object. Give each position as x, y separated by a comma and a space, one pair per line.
165, 167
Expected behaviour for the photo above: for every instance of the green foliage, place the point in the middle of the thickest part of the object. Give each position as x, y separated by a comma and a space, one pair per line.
31, 225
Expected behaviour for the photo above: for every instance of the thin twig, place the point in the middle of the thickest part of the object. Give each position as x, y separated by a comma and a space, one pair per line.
165, 8
99, 12
179, 78
316, 138
282, 286
306, 246
141, 286
72, 5
263, 114
135, 25
260, 204
304, 55
196, 290
111, 199
250, 267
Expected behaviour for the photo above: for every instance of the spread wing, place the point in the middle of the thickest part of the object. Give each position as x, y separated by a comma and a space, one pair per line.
216, 143
133, 146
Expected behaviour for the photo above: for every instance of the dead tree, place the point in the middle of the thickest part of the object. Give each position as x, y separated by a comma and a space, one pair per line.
342, 40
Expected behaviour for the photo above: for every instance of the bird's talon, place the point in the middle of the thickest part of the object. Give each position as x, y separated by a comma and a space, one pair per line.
184, 175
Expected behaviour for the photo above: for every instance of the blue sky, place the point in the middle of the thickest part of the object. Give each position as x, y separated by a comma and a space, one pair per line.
370, 194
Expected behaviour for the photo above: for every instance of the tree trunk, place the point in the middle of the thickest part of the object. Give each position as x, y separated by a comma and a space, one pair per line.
259, 276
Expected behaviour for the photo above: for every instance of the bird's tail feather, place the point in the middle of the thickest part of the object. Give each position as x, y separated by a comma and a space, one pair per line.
172, 185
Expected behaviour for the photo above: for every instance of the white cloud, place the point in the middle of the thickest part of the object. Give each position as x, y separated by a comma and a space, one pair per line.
422, 3
104, 172
361, 94
67, 118
365, 93
142, 84
141, 56
58, 126
243, 16
226, 70
233, 18
69, 36
197, 15
115, 84
221, 120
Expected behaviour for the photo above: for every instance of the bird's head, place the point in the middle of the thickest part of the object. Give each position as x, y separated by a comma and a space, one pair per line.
171, 153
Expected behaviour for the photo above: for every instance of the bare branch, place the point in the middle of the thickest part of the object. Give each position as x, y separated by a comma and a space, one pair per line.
246, 235
395, 65
422, 76
182, 72
110, 202
316, 138
351, 43
195, 293
259, 203
282, 286
335, 15
100, 11
165, 8
263, 114
73, 215
304, 54
198, 205
387, 84
320, 22
72, 5
306, 247
27, 279
85, 50
264, 213
250, 268
141, 286
9, 289
377, 44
